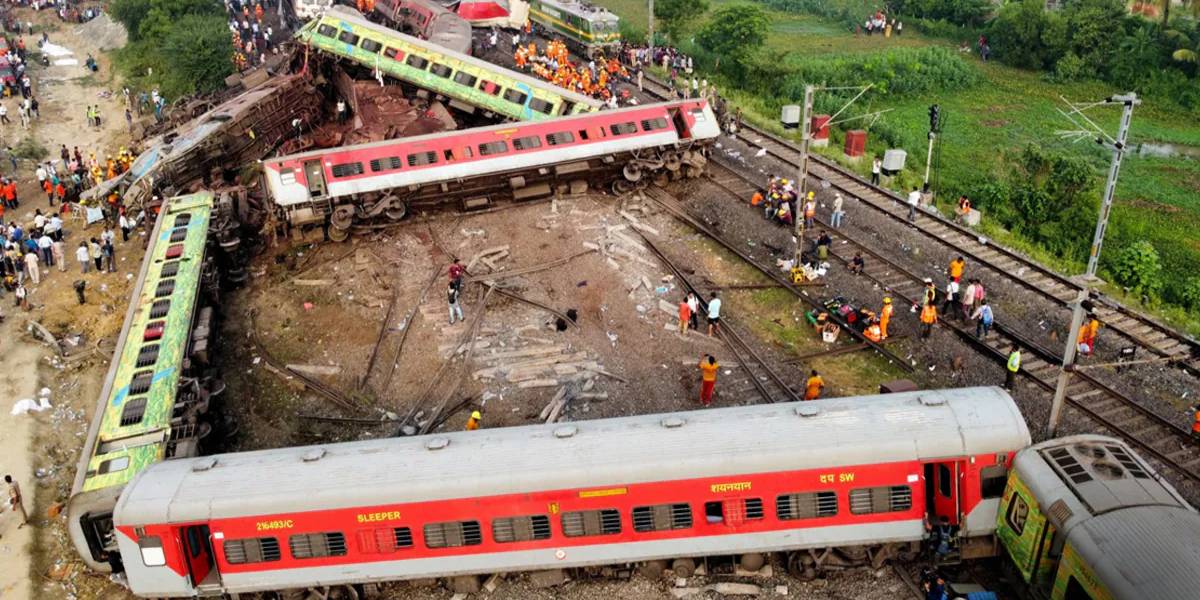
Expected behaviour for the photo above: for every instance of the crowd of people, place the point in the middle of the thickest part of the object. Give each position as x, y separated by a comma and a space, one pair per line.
879, 23
252, 35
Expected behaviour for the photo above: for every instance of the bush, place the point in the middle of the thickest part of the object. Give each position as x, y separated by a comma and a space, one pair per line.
179, 46
1138, 267
1070, 68
1188, 295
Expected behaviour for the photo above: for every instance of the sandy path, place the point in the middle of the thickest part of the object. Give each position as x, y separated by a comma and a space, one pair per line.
64, 91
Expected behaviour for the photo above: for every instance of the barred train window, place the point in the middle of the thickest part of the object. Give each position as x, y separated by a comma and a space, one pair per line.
527, 143
384, 540
515, 96
251, 550
881, 499
422, 158
809, 505
390, 163
654, 124
440, 70
370, 45
347, 169
452, 534
622, 128
393, 54
562, 137
662, 517
348, 37
464, 78
539, 105
326, 30
605, 521
317, 545
498, 147
521, 529
416, 62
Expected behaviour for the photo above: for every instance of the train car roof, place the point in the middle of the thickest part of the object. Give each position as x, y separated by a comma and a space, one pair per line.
608, 116
1134, 529
350, 15
618, 451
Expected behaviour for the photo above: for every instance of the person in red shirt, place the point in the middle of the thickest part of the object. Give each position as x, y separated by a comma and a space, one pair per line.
685, 316
49, 189
10, 194
708, 378
456, 272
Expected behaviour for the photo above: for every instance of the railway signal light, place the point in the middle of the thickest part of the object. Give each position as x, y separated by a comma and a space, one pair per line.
934, 117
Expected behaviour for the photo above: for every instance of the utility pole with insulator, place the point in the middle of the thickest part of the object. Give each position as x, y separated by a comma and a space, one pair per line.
650, 26
1117, 146
802, 175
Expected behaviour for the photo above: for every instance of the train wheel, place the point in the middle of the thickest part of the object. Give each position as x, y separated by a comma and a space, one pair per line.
672, 161
338, 235
653, 569
621, 186
632, 172
683, 567
800, 566
662, 178
752, 562
342, 217
397, 208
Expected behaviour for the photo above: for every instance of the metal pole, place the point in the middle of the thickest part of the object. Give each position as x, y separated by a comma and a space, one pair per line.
802, 177
650, 27
1118, 152
928, 162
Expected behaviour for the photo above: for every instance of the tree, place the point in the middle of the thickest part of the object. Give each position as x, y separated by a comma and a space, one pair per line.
1096, 28
198, 54
676, 15
1138, 267
734, 31
1024, 34
130, 14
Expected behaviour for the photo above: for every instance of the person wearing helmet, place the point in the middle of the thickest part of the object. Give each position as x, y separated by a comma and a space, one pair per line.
885, 316
473, 422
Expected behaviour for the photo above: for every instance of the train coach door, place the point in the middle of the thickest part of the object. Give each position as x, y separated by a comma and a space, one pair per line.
316, 178
680, 122
197, 544
941, 492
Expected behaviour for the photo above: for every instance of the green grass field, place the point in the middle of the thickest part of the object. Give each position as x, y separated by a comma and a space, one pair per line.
1157, 199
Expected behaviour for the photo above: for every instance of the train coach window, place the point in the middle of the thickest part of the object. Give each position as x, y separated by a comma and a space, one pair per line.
317, 545
527, 143
452, 534
384, 540
147, 356
171, 267
370, 45
348, 37
140, 384
521, 529
464, 78
416, 62
326, 30
390, 163
113, 465
182, 219
490, 88
347, 169
654, 124
422, 158
539, 105
160, 309
393, 54
498, 147
515, 96
251, 550
809, 505
133, 411
166, 287
441, 70
662, 517
179, 234
152, 551
992, 481
606, 521
881, 499
622, 128
562, 137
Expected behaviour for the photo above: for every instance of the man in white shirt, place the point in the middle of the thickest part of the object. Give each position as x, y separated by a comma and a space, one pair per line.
45, 245
714, 314
81, 255
914, 198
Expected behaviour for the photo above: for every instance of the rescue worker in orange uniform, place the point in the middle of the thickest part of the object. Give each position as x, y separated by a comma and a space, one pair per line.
474, 421
885, 317
1087, 336
955, 270
928, 319
708, 378
1196, 422
813, 386
757, 198
873, 332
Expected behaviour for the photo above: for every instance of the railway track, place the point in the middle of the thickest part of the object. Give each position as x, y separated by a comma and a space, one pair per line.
1168, 442
1140, 329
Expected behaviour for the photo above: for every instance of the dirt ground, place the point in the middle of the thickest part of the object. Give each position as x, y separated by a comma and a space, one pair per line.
40, 449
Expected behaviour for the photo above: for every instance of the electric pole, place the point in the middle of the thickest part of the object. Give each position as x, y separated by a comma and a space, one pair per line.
650, 27
802, 175
934, 114
1117, 146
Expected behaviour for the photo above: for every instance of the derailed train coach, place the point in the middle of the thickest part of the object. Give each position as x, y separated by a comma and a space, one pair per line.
651, 491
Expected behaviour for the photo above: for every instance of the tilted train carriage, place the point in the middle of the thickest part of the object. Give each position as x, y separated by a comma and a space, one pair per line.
858, 477
475, 167
427, 20
1085, 518
468, 83
155, 397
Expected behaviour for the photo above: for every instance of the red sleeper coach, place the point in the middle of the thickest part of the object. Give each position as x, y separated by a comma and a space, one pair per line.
633, 490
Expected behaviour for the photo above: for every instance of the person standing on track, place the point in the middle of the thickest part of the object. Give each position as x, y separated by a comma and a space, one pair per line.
452, 297
694, 312
885, 316
813, 386
914, 198
951, 307
876, 169
1087, 335
1014, 365
835, 218
930, 295
714, 314
928, 320
984, 316
1196, 422
708, 378
685, 316
956, 268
